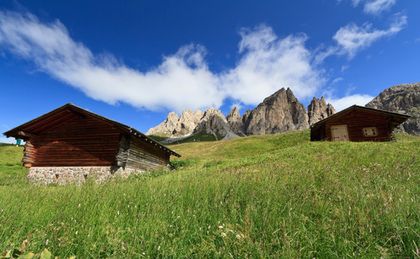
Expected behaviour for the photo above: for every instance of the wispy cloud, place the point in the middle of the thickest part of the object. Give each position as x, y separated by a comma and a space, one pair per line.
182, 80
375, 6
337, 80
353, 38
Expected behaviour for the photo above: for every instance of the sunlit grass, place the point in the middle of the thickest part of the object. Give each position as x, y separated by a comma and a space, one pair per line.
277, 196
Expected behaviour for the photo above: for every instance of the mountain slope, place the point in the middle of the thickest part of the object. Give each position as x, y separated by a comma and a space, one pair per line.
402, 99
261, 196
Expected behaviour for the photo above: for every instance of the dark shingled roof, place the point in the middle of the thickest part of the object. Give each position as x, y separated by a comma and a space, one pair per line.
58, 115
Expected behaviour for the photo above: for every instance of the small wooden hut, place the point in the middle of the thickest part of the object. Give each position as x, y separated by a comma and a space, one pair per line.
357, 123
70, 144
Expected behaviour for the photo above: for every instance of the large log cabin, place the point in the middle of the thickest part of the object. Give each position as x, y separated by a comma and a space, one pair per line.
357, 123
71, 144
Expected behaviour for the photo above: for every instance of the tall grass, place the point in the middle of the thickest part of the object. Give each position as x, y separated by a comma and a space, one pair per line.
269, 196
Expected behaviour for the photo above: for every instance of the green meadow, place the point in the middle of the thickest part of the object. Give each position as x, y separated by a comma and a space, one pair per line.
264, 196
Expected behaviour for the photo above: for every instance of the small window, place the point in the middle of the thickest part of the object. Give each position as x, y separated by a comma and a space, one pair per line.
370, 132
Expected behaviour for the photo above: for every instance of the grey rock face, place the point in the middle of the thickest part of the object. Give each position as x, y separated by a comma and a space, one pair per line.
214, 122
318, 110
166, 127
187, 123
245, 118
234, 120
279, 112
177, 126
403, 99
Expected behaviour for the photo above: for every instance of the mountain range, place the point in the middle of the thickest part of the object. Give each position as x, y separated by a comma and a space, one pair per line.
281, 112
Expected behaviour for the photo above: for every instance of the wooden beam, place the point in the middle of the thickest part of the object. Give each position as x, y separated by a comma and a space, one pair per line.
25, 134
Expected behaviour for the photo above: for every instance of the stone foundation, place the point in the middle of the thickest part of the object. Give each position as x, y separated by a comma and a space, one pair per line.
76, 175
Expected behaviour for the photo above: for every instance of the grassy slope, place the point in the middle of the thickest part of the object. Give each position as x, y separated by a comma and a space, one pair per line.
192, 138
258, 196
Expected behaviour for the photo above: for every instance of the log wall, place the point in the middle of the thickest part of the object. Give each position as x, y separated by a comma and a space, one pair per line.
144, 156
357, 120
80, 141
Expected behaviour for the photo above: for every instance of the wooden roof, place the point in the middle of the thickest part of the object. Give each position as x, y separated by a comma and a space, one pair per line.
67, 111
398, 118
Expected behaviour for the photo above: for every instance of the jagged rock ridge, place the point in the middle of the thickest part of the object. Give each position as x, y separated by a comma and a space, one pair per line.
214, 122
174, 126
235, 122
318, 110
279, 112
403, 99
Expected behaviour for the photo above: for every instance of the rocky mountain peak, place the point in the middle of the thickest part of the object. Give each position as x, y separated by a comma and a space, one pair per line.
166, 127
188, 115
172, 117
404, 99
213, 112
174, 125
234, 120
318, 110
214, 122
234, 114
279, 112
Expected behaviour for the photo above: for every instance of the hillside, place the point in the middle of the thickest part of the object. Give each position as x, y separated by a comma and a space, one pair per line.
274, 195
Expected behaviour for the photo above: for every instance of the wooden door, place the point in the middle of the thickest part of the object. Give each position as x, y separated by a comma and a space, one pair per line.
339, 133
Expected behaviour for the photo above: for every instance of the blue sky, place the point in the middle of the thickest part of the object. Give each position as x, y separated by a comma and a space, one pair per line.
133, 61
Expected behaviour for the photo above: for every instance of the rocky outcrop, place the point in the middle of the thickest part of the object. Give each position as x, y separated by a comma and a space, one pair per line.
279, 112
245, 118
318, 110
214, 122
402, 99
167, 127
234, 120
188, 122
175, 126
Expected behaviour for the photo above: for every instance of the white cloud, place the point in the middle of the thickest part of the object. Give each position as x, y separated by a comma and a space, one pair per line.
337, 80
182, 81
349, 100
7, 140
352, 38
375, 6
269, 63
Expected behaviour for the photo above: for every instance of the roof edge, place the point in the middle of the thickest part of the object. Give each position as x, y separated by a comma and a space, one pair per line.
75, 108
358, 107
